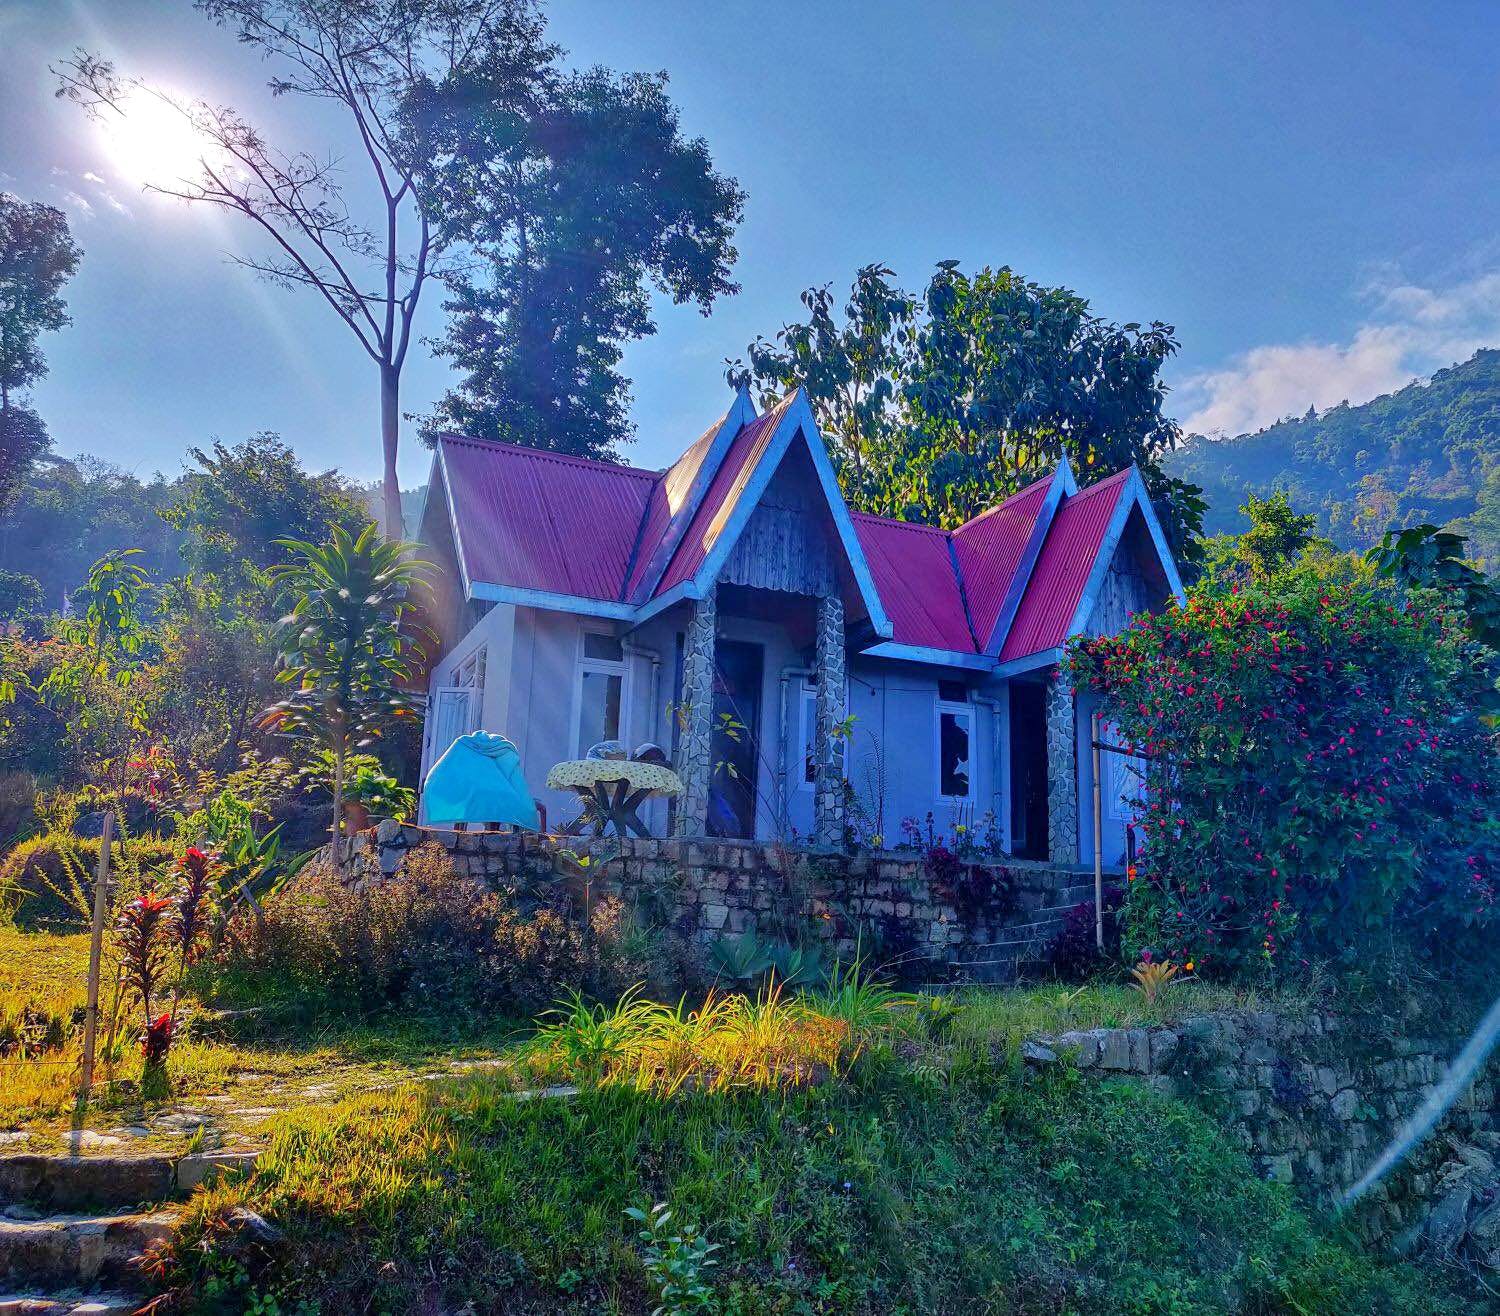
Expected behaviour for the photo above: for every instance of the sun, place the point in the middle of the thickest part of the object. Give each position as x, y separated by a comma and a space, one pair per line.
153, 142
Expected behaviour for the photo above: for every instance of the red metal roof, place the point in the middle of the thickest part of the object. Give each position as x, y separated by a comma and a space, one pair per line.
989, 550
723, 494
914, 575
540, 520
667, 500
1062, 569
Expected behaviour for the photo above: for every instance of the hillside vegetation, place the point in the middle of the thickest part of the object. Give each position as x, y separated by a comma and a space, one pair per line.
1428, 452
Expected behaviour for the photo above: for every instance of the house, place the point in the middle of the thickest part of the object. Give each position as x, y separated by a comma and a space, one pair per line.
734, 611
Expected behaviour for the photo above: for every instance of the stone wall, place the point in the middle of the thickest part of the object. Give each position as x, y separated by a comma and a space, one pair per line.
1314, 1099
990, 924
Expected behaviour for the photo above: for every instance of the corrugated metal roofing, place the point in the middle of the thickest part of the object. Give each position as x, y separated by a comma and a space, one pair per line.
1062, 569
723, 494
543, 521
989, 550
667, 500
915, 578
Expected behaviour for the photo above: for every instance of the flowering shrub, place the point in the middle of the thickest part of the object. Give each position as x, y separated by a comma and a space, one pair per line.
1322, 781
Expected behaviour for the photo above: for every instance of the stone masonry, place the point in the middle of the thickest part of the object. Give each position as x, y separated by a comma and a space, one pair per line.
708, 889
1311, 1097
695, 744
1062, 771
828, 791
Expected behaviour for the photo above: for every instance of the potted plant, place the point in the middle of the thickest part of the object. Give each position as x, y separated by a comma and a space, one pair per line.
370, 792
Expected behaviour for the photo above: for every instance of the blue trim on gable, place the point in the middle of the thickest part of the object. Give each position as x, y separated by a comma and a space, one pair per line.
540, 598
1030, 663
1063, 486
917, 653
797, 419
741, 412
440, 461
1133, 496
687, 590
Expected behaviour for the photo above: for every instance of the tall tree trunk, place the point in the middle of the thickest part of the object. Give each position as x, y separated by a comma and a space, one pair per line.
338, 808
390, 433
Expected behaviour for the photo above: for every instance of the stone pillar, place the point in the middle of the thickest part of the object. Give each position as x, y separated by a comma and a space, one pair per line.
1062, 770
695, 743
828, 785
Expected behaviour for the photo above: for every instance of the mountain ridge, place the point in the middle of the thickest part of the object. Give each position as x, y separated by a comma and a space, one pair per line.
1427, 452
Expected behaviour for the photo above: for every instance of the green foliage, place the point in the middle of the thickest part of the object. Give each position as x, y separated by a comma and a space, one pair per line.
937, 408
48, 880
343, 650
675, 1260
20, 595
380, 793
582, 197
1276, 537
1322, 783
1424, 557
884, 1194
1429, 452
37, 257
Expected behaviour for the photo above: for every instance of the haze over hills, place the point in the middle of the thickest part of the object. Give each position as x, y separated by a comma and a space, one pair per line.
1428, 452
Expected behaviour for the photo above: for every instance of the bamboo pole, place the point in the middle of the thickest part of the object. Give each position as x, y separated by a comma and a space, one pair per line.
96, 947
1098, 839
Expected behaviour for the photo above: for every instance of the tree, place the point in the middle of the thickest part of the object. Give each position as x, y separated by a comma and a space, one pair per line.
853, 374
579, 203
944, 406
1424, 557
369, 57
237, 507
1276, 537
1321, 781
344, 651
37, 257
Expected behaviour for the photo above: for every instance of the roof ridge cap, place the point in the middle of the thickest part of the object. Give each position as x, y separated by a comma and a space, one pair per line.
549, 454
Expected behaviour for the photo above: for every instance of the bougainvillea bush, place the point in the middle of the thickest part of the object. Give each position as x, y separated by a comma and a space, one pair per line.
1323, 778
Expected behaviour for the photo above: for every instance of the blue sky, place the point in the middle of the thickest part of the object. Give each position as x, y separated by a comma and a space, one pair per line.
1308, 191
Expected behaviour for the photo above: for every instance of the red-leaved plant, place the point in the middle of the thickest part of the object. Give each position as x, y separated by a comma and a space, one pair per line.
197, 880
141, 934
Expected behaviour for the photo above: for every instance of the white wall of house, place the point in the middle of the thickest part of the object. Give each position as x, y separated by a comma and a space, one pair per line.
534, 665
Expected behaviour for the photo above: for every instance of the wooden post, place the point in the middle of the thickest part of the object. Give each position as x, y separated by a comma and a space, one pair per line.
96, 947
1098, 839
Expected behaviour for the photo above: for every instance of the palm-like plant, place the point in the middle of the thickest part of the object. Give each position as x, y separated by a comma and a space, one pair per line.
343, 650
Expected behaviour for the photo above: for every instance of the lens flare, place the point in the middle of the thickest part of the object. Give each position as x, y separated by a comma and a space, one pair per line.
152, 141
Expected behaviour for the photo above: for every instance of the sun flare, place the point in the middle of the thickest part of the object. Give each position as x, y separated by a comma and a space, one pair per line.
153, 142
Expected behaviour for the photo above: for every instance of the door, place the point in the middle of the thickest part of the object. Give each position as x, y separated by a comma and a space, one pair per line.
1028, 770
739, 674
452, 711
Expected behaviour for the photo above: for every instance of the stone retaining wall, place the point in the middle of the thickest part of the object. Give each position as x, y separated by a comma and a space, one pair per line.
1313, 1100
989, 924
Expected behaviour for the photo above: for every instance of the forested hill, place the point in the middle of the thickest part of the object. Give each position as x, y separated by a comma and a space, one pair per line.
1430, 452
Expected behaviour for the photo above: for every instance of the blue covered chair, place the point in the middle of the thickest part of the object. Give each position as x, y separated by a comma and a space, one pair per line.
479, 780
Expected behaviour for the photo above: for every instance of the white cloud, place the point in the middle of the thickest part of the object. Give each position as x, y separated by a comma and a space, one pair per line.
1411, 331
86, 192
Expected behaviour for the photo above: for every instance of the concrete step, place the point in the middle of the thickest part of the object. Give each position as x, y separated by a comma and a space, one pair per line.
76, 1183
70, 1304
80, 1249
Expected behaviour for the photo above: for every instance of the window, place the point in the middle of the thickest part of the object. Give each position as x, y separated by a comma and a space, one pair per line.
599, 690
955, 724
810, 737
469, 674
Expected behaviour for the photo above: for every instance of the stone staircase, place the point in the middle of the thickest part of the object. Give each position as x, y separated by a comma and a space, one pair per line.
1016, 954
74, 1230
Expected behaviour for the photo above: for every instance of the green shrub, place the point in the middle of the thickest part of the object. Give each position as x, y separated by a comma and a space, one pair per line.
50, 878
1323, 780
429, 939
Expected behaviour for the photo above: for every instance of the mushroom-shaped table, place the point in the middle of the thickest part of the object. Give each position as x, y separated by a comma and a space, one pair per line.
615, 789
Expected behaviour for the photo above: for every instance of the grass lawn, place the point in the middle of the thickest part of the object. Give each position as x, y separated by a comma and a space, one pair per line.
899, 1189
223, 1090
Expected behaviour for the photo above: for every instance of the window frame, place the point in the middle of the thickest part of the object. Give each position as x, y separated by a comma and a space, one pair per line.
965, 710
470, 670
807, 723
584, 664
